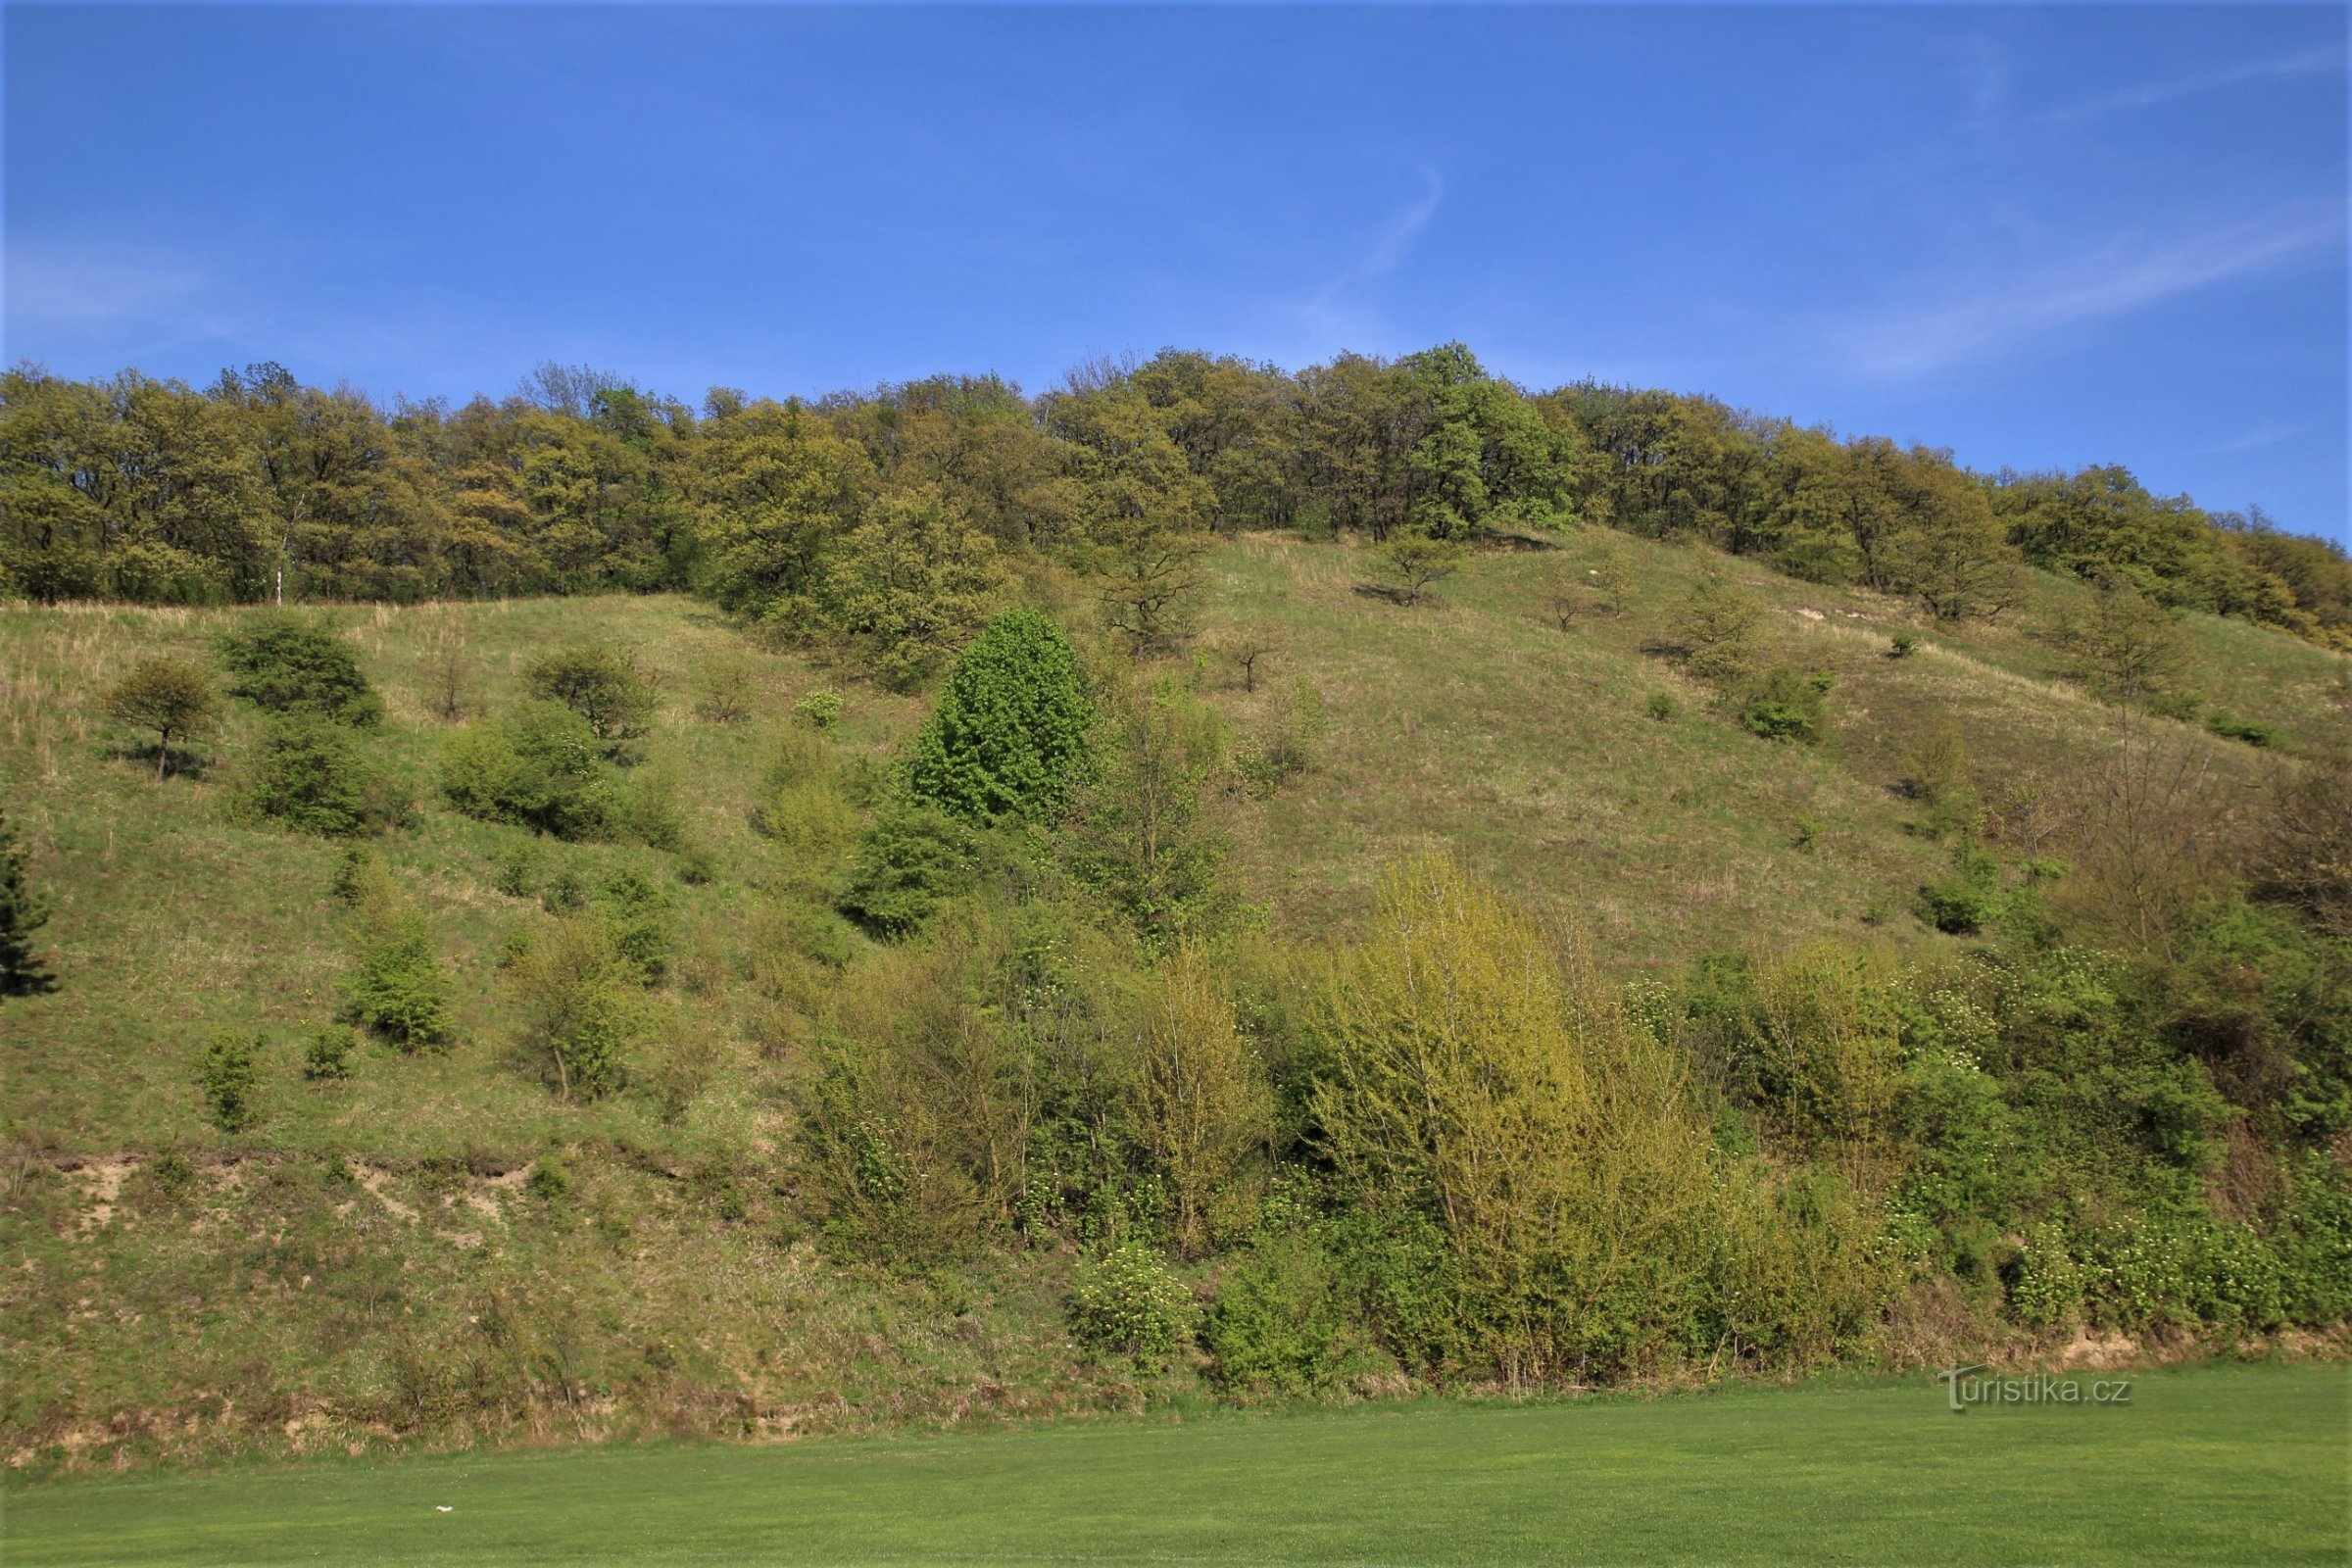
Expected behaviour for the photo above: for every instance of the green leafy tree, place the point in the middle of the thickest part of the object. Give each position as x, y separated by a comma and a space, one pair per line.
1487, 458
1201, 1109
311, 776
606, 684
1008, 735
1418, 560
2127, 647
1716, 628
397, 985
293, 664
1145, 510
770, 489
1517, 1109
910, 858
1138, 832
23, 911
172, 697
539, 768
1952, 551
910, 585
582, 1013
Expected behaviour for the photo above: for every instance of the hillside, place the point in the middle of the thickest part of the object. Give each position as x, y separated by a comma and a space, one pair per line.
441, 1248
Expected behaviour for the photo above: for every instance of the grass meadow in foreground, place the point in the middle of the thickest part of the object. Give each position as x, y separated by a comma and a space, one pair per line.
2207, 1464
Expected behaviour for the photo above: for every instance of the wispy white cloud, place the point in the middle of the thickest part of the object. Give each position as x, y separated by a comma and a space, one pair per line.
2266, 435
1982, 317
1394, 242
2319, 61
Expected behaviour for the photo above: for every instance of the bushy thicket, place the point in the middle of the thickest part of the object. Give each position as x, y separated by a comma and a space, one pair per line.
1461, 1153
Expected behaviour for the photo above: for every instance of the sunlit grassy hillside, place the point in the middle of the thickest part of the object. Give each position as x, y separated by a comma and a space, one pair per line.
338, 1272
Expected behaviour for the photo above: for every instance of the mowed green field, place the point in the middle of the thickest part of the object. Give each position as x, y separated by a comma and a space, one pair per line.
2213, 1464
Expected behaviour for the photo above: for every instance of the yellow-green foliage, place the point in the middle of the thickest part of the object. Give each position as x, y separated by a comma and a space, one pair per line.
1202, 1111
919, 1118
1818, 1044
1547, 1131
1491, 1079
582, 1018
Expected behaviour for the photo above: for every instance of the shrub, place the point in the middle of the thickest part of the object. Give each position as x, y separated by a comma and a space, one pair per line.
1787, 707
1008, 735
2315, 1245
699, 865
1902, 646
361, 875
713, 1183
1126, 1302
549, 1179
228, 1072
646, 809
397, 987
171, 697
682, 1068
1277, 1328
291, 664
171, 1172
518, 873
819, 710
603, 683
537, 768
637, 913
310, 774
23, 911
1475, 1084
582, 1016
2045, 1283
568, 889
2235, 729
1660, 707
327, 1054
811, 820
1936, 775
1716, 627
908, 861
1418, 561
1811, 1039
1970, 897
724, 690
1281, 746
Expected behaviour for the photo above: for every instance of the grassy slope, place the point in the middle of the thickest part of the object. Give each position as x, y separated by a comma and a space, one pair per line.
2250, 1459
1470, 723
1477, 723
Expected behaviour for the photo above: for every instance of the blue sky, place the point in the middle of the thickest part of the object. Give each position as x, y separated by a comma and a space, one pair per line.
2038, 236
